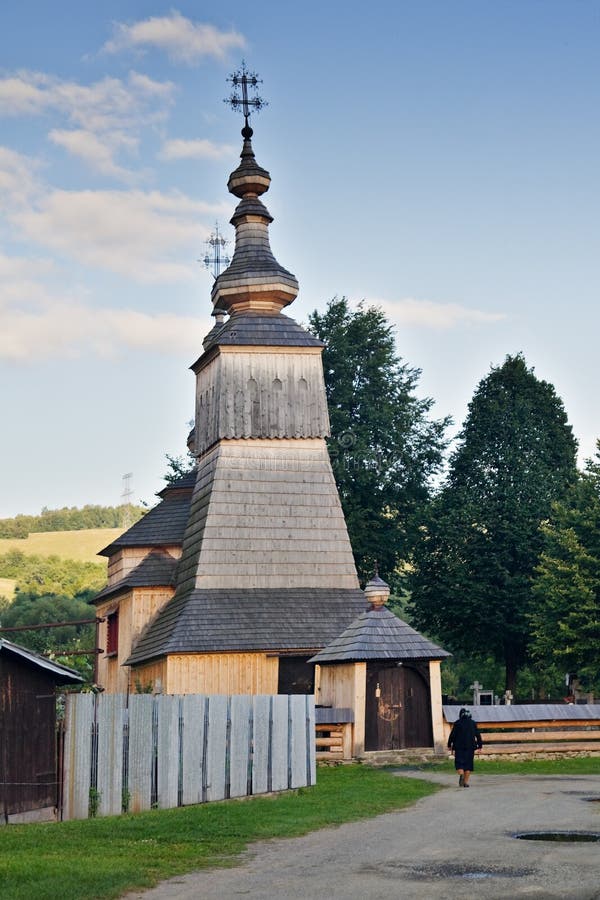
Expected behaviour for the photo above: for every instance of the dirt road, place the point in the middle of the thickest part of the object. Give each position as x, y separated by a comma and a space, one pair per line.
456, 843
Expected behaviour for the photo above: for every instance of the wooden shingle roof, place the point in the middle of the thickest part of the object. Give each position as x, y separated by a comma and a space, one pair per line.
185, 483
158, 569
162, 526
209, 621
379, 634
258, 329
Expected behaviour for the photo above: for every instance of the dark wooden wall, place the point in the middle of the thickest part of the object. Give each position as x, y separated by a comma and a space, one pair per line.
27, 738
398, 707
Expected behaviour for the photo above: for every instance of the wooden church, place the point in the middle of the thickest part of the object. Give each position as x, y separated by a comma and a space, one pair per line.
244, 570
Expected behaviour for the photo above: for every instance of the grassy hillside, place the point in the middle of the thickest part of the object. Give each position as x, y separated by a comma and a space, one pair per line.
78, 545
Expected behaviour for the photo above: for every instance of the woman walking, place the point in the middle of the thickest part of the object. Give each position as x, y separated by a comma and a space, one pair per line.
464, 740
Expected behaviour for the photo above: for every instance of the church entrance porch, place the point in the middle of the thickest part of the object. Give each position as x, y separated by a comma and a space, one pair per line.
398, 707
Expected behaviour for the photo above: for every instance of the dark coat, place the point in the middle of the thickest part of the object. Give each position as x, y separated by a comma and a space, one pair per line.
465, 735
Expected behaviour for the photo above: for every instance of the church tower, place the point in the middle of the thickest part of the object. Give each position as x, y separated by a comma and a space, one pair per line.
266, 576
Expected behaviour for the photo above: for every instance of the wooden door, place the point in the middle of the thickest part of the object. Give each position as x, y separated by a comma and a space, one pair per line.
417, 709
398, 708
28, 744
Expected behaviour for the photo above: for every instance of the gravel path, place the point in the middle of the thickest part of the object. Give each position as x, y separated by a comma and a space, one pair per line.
456, 843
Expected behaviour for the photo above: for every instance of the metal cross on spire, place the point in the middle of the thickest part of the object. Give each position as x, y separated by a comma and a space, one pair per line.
215, 258
244, 81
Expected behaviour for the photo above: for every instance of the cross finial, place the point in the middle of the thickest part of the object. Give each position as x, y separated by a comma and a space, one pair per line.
215, 258
244, 81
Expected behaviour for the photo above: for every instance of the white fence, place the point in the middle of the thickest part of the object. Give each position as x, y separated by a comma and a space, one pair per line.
131, 753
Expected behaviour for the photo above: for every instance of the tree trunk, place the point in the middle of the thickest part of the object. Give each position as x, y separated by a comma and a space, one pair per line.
511, 672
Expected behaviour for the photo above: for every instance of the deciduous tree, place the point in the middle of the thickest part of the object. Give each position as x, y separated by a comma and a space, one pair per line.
384, 448
566, 614
51, 574
35, 609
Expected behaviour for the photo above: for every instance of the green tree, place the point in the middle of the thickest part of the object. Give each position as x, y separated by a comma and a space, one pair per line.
51, 574
566, 615
43, 609
383, 447
68, 519
481, 542
178, 466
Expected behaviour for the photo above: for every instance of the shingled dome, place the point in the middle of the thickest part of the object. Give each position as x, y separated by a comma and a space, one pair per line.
254, 279
379, 634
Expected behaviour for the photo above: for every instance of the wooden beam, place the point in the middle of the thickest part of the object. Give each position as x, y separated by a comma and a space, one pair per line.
537, 723
511, 737
541, 748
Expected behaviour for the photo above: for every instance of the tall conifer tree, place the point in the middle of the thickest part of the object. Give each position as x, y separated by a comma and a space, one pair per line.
477, 554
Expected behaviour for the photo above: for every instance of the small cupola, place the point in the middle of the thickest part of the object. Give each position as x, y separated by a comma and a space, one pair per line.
377, 592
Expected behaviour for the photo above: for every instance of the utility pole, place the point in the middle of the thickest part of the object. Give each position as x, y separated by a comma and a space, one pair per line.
126, 497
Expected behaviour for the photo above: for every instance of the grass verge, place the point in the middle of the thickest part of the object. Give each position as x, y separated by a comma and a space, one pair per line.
103, 858
580, 765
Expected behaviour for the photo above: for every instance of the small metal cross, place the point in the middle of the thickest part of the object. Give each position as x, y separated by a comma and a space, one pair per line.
216, 258
244, 80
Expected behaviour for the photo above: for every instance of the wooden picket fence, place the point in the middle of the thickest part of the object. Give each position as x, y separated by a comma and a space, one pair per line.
131, 753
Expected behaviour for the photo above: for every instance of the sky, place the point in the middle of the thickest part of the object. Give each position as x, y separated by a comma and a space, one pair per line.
438, 159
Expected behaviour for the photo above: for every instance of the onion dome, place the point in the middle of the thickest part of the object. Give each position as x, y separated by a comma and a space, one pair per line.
254, 280
377, 592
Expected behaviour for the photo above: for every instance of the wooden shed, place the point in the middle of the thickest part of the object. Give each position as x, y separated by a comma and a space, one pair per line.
388, 675
28, 764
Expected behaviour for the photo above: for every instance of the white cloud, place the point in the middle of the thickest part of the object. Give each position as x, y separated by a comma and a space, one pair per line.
182, 39
20, 283
105, 117
148, 85
39, 323
73, 330
17, 177
146, 236
104, 105
98, 153
195, 149
440, 316
21, 96
17, 267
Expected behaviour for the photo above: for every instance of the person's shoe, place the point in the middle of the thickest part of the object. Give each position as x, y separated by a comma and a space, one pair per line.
461, 781
465, 785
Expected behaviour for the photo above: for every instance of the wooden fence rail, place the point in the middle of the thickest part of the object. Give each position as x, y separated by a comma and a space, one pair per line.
142, 752
534, 730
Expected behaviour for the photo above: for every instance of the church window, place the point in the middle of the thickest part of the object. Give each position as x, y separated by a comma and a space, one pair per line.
112, 634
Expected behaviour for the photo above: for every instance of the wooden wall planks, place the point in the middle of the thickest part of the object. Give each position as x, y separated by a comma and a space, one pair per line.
145, 751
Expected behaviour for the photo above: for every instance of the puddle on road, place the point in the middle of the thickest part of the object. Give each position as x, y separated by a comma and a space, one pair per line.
587, 793
430, 871
564, 837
